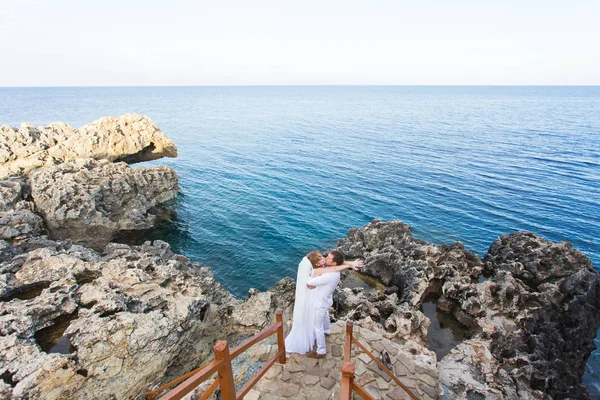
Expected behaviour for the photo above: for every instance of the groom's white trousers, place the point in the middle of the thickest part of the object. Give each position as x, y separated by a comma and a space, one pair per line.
321, 326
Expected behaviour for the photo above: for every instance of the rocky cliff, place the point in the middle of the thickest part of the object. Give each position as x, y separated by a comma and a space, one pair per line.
115, 321
93, 201
130, 138
71, 184
79, 324
81, 317
531, 324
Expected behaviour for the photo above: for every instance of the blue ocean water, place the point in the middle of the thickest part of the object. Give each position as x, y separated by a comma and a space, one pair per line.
270, 173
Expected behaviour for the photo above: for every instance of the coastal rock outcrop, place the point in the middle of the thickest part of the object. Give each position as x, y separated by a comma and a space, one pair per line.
17, 217
76, 183
78, 324
93, 201
119, 320
530, 325
130, 138
411, 269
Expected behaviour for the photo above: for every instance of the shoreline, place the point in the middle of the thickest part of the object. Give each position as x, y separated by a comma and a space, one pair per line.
129, 306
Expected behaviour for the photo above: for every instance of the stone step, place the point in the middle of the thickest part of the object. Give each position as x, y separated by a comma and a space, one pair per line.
306, 378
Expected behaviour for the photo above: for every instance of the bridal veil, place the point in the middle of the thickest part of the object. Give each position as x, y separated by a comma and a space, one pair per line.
302, 336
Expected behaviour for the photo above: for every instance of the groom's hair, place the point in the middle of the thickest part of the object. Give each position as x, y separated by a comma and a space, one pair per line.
338, 257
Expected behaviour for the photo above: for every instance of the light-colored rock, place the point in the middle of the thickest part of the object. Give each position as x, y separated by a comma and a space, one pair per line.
328, 363
398, 394
252, 395
130, 138
306, 361
92, 201
327, 383
365, 358
432, 392
295, 368
254, 312
316, 392
288, 389
533, 289
373, 391
273, 372
463, 371
17, 217
316, 371
428, 380
382, 384
136, 317
310, 380
336, 351
365, 378
285, 376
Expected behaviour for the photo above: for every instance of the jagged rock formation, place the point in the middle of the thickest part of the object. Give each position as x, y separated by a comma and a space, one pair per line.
135, 317
76, 184
410, 268
130, 138
17, 216
130, 315
76, 323
92, 201
531, 324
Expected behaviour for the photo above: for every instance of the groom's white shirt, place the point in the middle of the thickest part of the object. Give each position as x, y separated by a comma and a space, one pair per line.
326, 285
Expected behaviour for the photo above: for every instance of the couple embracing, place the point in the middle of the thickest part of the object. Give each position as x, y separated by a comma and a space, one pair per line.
318, 277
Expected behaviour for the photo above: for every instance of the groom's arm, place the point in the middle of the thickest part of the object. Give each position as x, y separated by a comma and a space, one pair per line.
321, 280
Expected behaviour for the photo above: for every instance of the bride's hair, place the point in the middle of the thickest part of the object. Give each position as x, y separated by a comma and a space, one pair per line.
314, 257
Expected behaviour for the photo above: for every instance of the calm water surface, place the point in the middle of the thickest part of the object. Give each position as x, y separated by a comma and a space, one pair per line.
270, 173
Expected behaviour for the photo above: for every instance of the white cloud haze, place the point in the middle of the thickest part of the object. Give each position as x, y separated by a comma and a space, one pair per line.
73, 43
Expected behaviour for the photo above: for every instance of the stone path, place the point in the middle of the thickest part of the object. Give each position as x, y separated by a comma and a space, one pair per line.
306, 378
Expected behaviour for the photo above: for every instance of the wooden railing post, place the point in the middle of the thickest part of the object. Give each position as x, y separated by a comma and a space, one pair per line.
221, 351
347, 380
280, 341
222, 366
348, 347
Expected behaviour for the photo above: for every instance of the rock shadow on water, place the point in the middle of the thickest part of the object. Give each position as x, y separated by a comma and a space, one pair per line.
52, 340
591, 376
171, 228
445, 332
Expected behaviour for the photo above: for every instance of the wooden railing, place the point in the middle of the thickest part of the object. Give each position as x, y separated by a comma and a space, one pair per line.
348, 384
222, 365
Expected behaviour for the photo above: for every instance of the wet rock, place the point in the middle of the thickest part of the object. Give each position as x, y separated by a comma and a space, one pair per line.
130, 138
92, 201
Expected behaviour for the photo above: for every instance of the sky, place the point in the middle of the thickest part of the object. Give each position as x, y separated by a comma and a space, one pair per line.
302, 42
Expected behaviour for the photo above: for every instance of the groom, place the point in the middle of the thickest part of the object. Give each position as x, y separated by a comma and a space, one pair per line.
325, 286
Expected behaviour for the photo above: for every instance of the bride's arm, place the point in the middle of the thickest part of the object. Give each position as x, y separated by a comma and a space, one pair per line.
355, 264
337, 268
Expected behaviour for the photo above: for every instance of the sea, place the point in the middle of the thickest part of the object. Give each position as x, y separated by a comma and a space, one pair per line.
269, 173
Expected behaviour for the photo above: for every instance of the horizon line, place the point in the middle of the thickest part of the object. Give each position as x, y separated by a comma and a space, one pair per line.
303, 85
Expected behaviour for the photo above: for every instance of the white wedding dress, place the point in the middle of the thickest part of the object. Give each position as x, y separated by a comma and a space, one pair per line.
302, 336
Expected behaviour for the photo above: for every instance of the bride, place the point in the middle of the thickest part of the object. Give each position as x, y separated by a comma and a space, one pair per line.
302, 335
